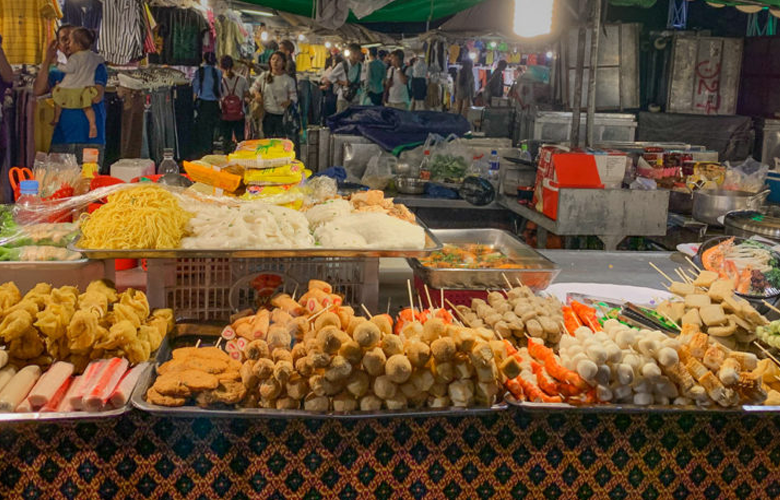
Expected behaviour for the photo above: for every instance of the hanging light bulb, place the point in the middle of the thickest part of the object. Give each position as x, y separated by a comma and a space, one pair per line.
327, 45
301, 37
549, 54
346, 53
533, 17
473, 55
493, 45
264, 36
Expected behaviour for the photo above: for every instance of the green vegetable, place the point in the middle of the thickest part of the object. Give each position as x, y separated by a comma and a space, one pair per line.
773, 277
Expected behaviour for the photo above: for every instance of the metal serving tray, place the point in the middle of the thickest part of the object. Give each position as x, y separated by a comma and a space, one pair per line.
37, 416
631, 408
188, 334
540, 272
431, 245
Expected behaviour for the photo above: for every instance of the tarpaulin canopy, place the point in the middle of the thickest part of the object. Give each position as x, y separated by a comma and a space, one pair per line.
397, 11
650, 3
391, 128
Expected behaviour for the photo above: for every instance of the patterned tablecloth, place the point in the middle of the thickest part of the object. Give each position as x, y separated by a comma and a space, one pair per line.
511, 453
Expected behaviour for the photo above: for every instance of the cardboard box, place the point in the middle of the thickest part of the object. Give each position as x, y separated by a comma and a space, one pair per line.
559, 168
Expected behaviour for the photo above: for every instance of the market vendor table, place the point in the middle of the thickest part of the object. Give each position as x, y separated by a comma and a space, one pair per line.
609, 214
509, 454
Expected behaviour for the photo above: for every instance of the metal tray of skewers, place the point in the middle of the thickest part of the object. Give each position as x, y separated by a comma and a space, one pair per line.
189, 334
533, 269
432, 244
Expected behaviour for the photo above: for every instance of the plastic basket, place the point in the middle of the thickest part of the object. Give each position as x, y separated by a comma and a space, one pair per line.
457, 297
212, 289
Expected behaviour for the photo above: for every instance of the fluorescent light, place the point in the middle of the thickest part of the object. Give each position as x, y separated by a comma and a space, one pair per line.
253, 12
533, 17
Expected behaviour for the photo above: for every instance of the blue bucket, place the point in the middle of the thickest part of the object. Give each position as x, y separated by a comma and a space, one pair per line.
773, 182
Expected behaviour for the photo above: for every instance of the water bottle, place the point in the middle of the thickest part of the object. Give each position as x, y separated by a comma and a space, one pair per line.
525, 154
168, 165
28, 203
425, 166
494, 169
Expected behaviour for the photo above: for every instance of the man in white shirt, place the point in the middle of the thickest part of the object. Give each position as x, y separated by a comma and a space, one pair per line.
348, 76
397, 91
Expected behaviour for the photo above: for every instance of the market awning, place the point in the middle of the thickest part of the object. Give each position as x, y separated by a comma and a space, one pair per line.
397, 11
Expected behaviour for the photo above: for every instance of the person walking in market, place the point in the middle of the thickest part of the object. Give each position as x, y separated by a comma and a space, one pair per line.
288, 49
419, 73
397, 92
276, 90
464, 87
495, 84
375, 77
71, 134
206, 89
347, 76
235, 94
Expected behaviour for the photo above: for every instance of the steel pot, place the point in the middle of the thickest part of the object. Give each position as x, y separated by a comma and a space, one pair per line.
680, 202
709, 205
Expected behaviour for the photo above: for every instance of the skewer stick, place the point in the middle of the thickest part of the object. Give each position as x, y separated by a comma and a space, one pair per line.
388, 306
681, 275
313, 316
295, 291
519, 283
218, 342
770, 306
411, 300
670, 320
441, 298
197, 344
367, 311
508, 283
765, 351
419, 303
457, 313
428, 296
661, 272
692, 276
698, 269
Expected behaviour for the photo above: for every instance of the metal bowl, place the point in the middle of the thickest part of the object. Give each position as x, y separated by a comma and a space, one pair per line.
410, 185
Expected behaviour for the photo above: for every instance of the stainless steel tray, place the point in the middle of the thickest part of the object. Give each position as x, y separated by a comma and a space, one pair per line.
186, 334
540, 272
631, 408
8, 266
431, 245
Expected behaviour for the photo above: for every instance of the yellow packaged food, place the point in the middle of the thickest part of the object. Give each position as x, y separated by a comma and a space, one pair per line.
201, 171
291, 173
263, 153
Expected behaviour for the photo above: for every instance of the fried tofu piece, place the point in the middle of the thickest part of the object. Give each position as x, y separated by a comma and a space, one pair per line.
720, 289
705, 279
691, 318
713, 315
682, 289
697, 300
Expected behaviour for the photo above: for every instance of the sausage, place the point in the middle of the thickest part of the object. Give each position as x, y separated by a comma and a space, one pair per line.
49, 383
18, 387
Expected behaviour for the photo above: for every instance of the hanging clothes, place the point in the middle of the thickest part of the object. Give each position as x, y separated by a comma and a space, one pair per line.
454, 53
229, 37
122, 39
179, 36
85, 13
27, 27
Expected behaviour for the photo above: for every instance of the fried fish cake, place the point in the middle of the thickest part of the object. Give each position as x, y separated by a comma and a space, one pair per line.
200, 352
174, 365
154, 397
234, 375
229, 392
208, 365
171, 385
196, 380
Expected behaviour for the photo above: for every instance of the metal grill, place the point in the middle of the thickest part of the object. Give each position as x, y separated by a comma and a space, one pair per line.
213, 289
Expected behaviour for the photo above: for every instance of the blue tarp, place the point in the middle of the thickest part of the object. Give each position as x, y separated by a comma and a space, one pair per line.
391, 128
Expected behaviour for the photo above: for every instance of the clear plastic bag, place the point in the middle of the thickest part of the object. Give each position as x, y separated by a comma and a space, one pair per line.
378, 173
748, 176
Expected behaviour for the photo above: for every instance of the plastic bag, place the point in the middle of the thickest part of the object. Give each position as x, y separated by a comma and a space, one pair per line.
748, 176
450, 159
378, 173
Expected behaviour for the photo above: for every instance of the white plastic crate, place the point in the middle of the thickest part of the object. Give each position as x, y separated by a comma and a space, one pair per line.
213, 289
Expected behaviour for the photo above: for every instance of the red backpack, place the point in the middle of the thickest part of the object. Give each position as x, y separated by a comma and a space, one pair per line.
233, 105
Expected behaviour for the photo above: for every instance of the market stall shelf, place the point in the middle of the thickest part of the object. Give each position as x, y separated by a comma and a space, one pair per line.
610, 214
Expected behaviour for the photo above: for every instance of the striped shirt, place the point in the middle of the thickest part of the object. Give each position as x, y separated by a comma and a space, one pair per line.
27, 27
122, 31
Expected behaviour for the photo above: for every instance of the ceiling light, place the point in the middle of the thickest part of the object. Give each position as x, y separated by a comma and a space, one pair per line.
301, 37
327, 45
264, 36
253, 12
549, 54
533, 17
346, 53
473, 56
493, 45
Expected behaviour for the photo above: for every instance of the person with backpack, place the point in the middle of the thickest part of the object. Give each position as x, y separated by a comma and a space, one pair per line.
206, 90
348, 76
235, 92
